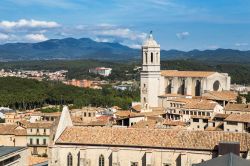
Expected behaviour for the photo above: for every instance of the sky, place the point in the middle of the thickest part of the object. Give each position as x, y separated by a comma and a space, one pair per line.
176, 24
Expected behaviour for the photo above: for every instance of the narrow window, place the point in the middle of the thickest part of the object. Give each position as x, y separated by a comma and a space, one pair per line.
69, 160
31, 141
44, 141
78, 159
37, 141
152, 57
101, 160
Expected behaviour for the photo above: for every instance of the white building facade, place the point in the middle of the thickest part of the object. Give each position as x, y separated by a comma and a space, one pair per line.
156, 82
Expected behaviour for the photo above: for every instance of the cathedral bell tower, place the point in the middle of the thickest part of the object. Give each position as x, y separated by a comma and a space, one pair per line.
150, 74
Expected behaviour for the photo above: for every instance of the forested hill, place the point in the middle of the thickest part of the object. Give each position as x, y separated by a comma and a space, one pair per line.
20, 93
85, 48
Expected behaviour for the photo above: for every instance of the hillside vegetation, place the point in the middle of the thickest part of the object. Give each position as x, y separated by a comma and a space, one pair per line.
18, 93
78, 69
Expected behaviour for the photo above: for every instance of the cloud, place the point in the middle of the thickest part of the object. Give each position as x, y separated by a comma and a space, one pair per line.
213, 47
24, 30
23, 23
182, 35
36, 37
136, 46
4, 37
110, 33
121, 33
241, 44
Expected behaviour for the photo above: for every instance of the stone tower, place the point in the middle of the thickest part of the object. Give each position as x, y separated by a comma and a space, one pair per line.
150, 74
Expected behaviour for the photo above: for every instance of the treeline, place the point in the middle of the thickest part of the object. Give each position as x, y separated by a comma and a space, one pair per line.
18, 93
78, 69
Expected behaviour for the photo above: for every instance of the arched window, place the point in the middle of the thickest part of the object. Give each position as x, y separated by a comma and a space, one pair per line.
146, 57
101, 160
152, 57
69, 160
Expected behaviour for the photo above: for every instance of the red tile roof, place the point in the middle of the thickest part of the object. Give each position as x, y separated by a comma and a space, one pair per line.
176, 73
134, 137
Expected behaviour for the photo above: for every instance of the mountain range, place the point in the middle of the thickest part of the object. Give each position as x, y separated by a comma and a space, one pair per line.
85, 48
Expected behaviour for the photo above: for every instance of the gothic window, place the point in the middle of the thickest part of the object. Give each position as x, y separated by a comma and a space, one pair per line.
216, 85
146, 57
198, 88
101, 160
69, 160
181, 89
152, 57
168, 89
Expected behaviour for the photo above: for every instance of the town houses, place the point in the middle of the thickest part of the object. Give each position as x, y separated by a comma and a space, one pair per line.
183, 118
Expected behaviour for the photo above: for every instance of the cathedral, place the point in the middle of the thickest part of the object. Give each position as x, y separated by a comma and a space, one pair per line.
156, 82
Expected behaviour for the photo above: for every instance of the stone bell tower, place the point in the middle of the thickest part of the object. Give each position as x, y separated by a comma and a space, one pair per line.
150, 74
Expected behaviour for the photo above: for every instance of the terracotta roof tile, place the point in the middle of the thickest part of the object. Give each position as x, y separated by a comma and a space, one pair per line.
238, 107
11, 129
200, 104
135, 137
221, 116
221, 95
176, 73
37, 124
124, 113
137, 108
238, 118
145, 124
33, 160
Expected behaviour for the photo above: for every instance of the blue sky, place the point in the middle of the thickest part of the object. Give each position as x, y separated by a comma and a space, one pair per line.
176, 24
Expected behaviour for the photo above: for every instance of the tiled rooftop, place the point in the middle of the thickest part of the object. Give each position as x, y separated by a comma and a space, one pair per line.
134, 137
221, 95
33, 160
176, 73
238, 107
145, 124
137, 108
221, 116
239, 118
38, 124
200, 104
11, 129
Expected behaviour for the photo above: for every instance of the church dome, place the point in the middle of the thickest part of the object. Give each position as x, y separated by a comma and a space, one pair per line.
150, 42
